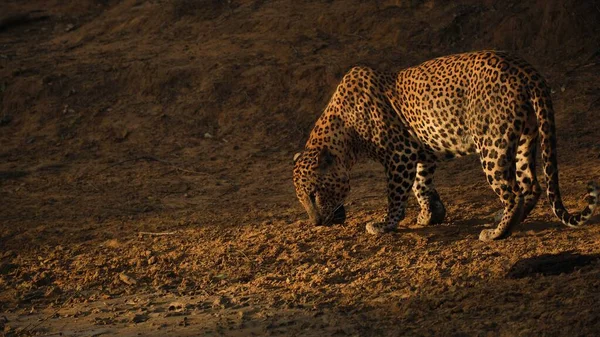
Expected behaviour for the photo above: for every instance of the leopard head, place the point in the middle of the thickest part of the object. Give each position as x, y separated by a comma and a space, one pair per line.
322, 184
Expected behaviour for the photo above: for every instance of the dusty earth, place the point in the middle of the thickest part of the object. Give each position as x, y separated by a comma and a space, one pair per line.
145, 173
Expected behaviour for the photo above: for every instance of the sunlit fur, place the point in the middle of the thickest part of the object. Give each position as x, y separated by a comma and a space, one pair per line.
487, 103
317, 173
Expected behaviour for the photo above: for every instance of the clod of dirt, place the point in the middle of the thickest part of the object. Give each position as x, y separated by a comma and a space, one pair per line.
177, 309
5, 267
139, 318
177, 306
103, 321
52, 291
221, 302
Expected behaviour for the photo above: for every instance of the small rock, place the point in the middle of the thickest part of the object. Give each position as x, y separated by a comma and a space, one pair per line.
177, 309
127, 279
208, 135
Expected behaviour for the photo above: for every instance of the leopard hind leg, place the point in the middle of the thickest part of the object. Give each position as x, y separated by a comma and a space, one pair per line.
525, 171
499, 165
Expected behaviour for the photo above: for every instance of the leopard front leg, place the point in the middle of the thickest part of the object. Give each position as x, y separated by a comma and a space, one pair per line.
432, 208
400, 175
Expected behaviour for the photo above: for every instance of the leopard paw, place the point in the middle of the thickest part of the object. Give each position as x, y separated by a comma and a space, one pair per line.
488, 235
378, 228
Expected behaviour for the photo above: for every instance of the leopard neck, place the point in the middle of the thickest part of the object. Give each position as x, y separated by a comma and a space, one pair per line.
331, 131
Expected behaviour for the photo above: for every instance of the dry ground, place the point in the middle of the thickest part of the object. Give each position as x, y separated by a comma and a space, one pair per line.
119, 119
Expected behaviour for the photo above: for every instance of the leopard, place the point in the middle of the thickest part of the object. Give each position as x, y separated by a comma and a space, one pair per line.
488, 103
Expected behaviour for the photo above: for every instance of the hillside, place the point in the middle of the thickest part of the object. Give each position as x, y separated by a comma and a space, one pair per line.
123, 119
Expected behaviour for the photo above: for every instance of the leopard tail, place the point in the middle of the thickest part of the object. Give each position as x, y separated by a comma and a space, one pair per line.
540, 99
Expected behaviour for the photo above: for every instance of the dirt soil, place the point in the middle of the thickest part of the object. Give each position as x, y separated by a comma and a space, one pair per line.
145, 173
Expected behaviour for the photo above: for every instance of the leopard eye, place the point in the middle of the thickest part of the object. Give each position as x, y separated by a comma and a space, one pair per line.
312, 198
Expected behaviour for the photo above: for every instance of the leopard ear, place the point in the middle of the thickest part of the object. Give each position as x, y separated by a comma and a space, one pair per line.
326, 159
296, 156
